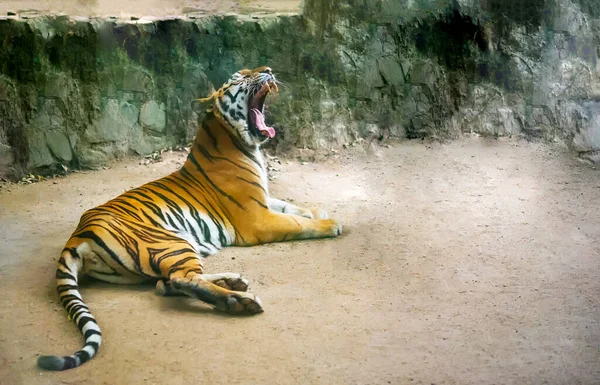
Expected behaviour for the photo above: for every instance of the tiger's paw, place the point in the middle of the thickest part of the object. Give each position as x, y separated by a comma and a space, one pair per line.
164, 289
330, 227
240, 303
233, 283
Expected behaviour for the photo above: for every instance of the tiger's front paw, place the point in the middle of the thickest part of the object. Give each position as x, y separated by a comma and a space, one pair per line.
330, 227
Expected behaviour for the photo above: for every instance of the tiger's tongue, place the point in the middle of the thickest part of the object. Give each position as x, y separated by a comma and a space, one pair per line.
258, 118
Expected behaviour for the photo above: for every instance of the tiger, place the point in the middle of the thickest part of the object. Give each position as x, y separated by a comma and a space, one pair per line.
164, 229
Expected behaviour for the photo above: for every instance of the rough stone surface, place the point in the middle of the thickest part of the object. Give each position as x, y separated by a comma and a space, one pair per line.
588, 139
153, 117
384, 68
59, 145
39, 153
6, 157
391, 71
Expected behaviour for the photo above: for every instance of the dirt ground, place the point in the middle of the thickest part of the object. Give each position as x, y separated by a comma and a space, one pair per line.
475, 262
140, 8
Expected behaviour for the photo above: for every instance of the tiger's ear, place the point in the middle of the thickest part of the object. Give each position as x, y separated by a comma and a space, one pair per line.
208, 98
211, 96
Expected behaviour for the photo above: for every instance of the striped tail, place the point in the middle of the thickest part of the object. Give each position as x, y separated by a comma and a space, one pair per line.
68, 292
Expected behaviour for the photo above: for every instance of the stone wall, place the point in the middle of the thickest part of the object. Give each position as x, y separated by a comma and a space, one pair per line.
497, 67
79, 92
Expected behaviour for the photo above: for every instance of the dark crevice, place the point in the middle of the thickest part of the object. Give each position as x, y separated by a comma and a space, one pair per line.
454, 39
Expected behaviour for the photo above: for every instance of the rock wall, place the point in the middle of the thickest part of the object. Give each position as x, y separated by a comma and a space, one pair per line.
79, 92
497, 67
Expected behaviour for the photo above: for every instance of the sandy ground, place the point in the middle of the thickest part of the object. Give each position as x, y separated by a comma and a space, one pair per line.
139, 8
475, 262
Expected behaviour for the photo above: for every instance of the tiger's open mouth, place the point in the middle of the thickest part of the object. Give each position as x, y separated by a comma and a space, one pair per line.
256, 117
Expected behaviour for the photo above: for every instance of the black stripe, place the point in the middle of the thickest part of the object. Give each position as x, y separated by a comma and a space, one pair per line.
91, 235
186, 177
150, 234
204, 152
195, 215
70, 362
130, 243
78, 312
173, 206
125, 202
93, 345
152, 253
61, 288
83, 321
244, 149
199, 168
173, 254
89, 333
83, 356
217, 217
259, 202
210, 157
182, 261
148, 203
77, 307
68, 298
224, 107
222, 210
74, 254
154, 223
233, 97
63, 263
253, 183
116, 206
72, 304
170, 221
62, 275
206, 129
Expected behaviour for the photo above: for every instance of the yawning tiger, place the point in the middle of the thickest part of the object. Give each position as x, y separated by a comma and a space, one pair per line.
163, 229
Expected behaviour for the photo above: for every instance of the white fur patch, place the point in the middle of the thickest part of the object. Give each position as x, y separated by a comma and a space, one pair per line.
97, 338
90, 326
90, 350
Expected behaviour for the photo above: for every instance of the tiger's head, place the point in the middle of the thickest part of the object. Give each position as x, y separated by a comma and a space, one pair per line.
240, 104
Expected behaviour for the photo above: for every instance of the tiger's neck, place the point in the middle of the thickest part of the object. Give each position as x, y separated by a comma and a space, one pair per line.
216, 152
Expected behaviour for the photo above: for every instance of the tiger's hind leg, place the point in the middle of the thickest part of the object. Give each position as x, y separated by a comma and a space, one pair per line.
230, 281
185, 276
223, 299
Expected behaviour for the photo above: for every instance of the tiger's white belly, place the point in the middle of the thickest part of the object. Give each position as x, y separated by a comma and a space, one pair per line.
202, 233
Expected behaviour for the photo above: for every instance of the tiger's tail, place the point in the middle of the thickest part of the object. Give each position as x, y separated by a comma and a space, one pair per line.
68, 291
